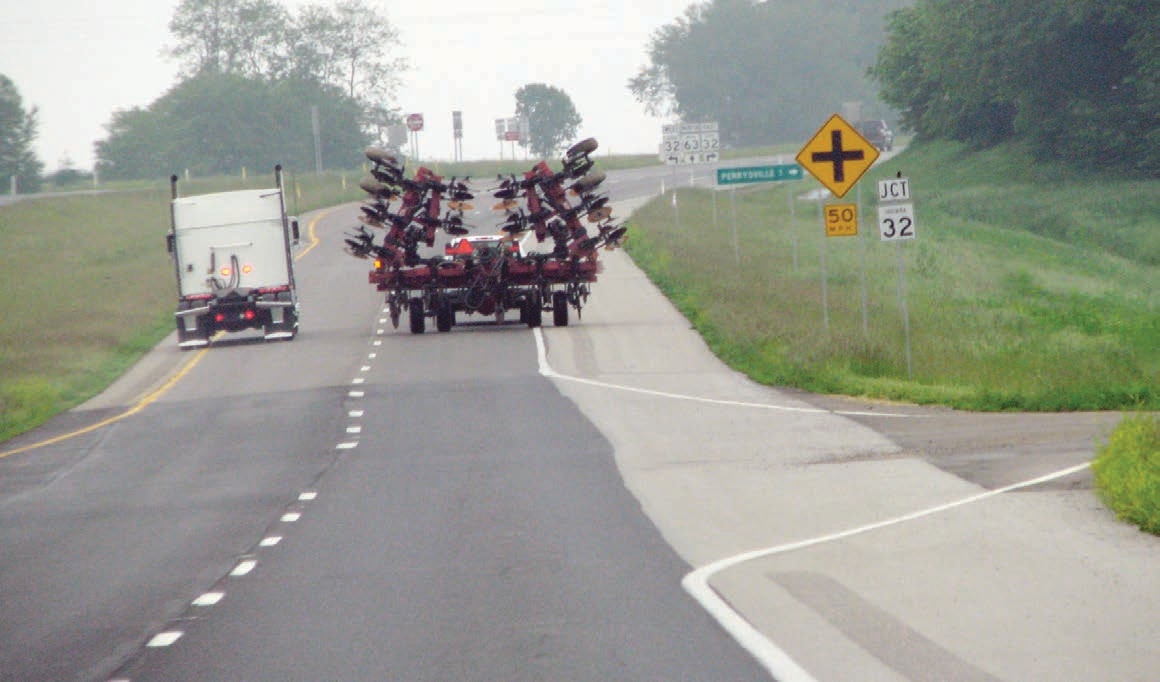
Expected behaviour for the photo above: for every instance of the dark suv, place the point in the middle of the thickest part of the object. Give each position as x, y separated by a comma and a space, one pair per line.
876, 133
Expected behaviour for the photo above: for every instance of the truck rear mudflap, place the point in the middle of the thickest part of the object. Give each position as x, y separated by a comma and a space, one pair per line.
193, 329
279, 316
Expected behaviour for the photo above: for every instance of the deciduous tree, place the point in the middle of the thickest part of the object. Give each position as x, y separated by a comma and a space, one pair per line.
552, 118
17, 133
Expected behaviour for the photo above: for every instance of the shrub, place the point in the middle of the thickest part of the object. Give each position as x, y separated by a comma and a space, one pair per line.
1127, 471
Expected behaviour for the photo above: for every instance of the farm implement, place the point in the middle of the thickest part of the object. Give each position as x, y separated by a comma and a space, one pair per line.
488, 275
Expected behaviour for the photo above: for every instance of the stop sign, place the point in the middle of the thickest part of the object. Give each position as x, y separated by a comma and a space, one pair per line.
414, 122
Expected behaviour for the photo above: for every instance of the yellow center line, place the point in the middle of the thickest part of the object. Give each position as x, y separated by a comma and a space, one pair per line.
164, 388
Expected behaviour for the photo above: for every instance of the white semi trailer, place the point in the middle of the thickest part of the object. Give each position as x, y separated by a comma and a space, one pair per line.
233, 257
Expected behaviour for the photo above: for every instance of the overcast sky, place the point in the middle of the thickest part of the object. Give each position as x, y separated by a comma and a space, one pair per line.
80, 60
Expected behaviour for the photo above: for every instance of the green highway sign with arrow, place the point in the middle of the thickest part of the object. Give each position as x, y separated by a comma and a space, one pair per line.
750, 174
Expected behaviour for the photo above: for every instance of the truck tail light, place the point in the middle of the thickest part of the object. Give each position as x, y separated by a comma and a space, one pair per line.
247, 269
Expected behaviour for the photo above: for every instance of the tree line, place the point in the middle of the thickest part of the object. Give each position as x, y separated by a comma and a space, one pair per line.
767, 72
1079, 80
260, 86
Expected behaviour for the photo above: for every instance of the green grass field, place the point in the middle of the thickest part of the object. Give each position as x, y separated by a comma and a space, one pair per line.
1027, 288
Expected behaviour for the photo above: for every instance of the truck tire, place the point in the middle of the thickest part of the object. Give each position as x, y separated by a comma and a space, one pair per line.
560, 309
418, 321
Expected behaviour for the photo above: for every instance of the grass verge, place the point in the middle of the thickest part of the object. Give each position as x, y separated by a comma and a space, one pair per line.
1028, 288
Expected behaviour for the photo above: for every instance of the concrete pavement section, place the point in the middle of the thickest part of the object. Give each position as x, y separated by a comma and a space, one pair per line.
1034, 584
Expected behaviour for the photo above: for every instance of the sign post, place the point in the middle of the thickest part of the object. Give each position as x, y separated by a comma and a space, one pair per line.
838, 156
415, 125
749, 175
896, 224
457, 134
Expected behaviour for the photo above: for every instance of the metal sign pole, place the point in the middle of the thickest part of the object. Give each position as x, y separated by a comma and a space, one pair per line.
793, 226
902, 305
736, 245
715, 210
825, 292
862, 249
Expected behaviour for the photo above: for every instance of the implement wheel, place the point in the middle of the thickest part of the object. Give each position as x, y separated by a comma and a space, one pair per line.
444, 315
418, 321
560, 309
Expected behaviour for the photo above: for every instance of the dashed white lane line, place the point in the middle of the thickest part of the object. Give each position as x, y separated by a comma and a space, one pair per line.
364, 368
354, 429
209, 599
164, 639
243, 568
355, 414
291, 517
347, 446
696, 583
378, 343
547, 371
358, 380
356, 394
270, 541
308, 496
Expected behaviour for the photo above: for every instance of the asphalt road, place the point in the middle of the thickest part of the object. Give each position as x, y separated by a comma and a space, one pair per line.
494, 503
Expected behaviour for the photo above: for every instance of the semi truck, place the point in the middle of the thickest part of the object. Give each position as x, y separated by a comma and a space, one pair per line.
233, 258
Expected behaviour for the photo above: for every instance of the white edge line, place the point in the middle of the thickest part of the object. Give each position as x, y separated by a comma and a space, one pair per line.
783, 668
547, 371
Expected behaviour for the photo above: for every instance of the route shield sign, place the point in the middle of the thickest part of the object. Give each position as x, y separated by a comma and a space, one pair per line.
837, 156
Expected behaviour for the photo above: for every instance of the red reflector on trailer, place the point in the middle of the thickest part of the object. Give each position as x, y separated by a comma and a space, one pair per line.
220, 317
460, 248
249, 314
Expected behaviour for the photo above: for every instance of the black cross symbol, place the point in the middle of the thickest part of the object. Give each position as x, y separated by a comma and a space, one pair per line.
838, 156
